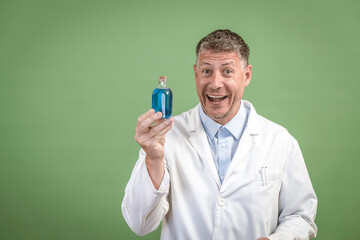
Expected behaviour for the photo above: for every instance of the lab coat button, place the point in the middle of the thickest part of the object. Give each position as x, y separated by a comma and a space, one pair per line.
221, 202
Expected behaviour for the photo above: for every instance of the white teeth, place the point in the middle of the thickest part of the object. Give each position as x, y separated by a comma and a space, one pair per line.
216, 96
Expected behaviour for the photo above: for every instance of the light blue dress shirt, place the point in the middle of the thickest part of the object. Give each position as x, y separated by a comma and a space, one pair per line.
224, 139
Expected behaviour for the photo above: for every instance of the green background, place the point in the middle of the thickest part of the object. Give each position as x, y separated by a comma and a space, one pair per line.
75, 75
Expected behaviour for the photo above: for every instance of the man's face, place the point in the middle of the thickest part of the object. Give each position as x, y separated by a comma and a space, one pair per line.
220, 81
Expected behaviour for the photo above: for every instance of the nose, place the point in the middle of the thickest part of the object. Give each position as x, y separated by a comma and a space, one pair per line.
216, 81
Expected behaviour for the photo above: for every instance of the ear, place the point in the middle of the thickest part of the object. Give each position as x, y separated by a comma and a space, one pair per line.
194, 66
247, 73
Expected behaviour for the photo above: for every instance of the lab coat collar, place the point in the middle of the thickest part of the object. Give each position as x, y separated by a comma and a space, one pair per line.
252, 125
198, 140
235, 126
247, 141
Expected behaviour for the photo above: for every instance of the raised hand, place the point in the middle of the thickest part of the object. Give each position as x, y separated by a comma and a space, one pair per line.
150, 135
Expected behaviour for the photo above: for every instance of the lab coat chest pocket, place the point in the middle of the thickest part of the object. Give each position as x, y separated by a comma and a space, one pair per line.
266, 177
265, 186
254, 189
261, 183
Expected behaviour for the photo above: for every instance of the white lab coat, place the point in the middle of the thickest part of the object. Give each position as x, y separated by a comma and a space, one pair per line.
266, 190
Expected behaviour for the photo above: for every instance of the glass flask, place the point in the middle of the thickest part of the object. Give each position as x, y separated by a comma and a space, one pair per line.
162, 98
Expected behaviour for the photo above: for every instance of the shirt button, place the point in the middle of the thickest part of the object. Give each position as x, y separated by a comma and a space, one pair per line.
223, 145
221, 202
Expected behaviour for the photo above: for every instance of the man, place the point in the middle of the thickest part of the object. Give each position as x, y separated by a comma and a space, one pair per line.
220, 170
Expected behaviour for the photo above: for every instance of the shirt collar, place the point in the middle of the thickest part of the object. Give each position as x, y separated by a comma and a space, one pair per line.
236, 125
211, 127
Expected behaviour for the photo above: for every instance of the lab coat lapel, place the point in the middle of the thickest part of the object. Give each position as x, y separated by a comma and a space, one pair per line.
247, 141
245, 145
199, 141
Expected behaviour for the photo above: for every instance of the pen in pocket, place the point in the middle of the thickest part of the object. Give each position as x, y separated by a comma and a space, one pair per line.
264, 176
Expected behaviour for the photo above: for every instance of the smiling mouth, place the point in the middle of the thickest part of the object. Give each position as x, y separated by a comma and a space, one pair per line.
216, 99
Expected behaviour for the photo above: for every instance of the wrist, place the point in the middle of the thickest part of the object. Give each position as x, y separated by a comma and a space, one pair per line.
156, 170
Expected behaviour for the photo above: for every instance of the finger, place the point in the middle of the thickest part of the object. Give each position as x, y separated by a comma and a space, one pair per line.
146, 123
145, 120
166, 129
161, 124
162, 120
156, 131
146, 115
162, 133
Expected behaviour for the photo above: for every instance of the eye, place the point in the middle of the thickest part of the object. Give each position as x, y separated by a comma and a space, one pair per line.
228, 71
206, 71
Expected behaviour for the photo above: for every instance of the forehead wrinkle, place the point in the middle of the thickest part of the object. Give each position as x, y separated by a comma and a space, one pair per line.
216, 57
205, 64
232, 63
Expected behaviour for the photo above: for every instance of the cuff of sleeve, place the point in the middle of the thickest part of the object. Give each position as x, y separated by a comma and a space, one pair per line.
164, 186
281, 236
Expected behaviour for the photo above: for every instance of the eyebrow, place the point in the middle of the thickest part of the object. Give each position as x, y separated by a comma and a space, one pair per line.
224, 64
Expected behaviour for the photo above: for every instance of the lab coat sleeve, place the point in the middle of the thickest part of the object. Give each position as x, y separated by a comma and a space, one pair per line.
297, 200
143, 206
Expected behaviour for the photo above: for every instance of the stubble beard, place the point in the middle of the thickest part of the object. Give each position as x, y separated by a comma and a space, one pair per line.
220, 117
217, 117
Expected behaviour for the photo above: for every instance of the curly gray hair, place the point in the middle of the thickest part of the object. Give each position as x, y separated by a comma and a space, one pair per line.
224, 40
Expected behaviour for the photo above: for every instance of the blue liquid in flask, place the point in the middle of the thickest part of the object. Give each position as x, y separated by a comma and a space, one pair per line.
162, 99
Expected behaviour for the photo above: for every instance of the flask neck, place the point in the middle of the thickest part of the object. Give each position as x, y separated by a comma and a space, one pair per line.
162, 84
